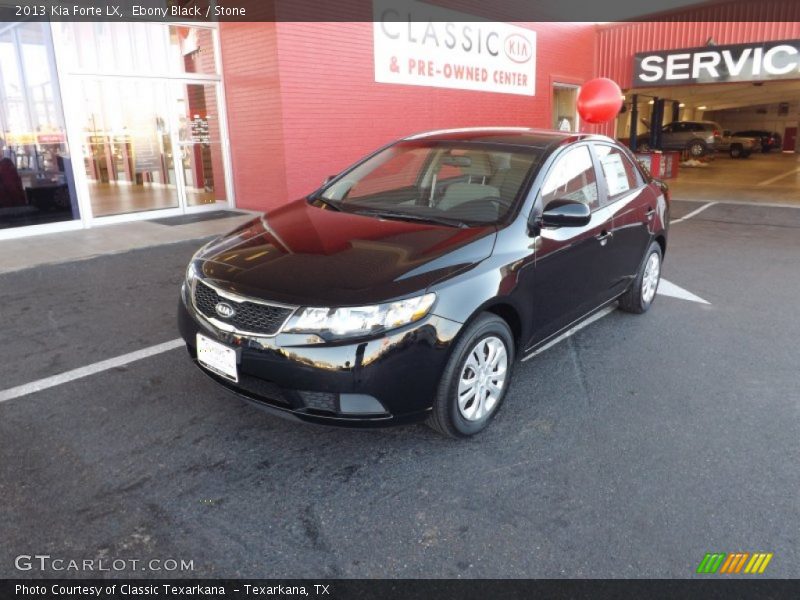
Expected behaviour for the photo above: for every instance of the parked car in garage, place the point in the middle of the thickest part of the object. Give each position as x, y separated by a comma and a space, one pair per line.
769, 139
406, 287
737, 146
696, 137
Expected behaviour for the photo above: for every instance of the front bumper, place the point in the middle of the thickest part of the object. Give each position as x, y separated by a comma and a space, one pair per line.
335, 384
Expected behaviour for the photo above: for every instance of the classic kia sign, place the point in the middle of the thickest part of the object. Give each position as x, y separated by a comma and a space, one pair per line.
422, 44
718, 64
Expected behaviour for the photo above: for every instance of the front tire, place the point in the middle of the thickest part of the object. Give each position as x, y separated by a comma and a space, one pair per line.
476, 378
642, 292
697, 148
736, 151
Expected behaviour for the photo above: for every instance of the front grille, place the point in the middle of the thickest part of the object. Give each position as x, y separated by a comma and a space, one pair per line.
249, 317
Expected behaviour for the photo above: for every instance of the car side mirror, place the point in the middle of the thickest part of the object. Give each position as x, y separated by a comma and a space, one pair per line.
566, 213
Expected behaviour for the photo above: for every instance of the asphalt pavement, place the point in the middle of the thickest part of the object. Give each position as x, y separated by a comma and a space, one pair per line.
629, 450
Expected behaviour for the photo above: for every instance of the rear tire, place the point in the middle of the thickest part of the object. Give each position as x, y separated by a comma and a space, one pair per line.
476, 378
642, 292
736, 151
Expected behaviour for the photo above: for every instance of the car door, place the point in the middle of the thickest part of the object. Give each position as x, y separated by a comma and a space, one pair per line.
632, 207
679, 136
570, 267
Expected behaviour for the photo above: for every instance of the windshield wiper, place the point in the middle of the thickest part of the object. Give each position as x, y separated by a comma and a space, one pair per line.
411, 217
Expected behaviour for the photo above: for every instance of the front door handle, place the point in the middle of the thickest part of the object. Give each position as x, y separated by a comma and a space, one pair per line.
603, 237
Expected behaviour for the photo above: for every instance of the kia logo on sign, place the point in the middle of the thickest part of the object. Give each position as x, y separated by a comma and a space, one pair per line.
224, 310
518, 48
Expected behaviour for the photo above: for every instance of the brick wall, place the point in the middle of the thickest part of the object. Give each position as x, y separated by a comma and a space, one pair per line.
303, 103
255, 120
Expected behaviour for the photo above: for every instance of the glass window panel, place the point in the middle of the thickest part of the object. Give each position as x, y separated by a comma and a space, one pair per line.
572, 178
144, 48
618, 171
36, 183
192, 49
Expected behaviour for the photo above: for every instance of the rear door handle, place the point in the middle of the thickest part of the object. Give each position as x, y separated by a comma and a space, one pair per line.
651, 212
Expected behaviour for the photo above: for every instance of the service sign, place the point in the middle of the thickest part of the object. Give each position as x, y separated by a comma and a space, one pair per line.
759, 61
422, 44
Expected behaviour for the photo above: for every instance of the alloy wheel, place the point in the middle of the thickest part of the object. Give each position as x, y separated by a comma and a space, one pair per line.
652, 273
483, 376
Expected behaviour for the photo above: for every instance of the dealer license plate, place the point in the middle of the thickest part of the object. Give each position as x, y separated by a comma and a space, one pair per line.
217, 358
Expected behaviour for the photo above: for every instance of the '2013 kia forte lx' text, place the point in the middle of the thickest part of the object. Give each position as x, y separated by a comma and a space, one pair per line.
407, 286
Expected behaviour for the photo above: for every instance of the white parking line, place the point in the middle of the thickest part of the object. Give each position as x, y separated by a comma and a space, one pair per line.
778, 177
98, 367
667, 288
573, 330
693, 213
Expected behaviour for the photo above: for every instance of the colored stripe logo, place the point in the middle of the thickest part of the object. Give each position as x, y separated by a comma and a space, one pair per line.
736, 562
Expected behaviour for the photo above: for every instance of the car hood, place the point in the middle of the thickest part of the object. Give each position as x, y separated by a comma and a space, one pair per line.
307, 255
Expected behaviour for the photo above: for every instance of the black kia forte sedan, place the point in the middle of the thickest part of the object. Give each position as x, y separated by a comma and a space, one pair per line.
406, 286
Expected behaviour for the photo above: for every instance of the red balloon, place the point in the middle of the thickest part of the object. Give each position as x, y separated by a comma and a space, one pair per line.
599, 100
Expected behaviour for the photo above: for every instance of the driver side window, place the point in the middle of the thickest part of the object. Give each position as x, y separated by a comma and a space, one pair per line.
572, 178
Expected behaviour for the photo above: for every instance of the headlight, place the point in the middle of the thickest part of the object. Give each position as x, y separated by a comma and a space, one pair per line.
361, 319
191, 273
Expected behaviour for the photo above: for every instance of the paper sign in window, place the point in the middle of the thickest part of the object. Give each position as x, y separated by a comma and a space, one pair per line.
616, 176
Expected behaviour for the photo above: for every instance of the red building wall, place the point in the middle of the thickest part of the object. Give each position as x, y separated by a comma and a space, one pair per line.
253, 101
303, 103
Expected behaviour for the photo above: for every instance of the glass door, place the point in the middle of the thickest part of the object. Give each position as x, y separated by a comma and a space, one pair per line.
565, 112
199, 143
145, 100
127, 145
151, 144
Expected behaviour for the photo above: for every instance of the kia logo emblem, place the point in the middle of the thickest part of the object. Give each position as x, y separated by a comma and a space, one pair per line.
224, 310
518, 48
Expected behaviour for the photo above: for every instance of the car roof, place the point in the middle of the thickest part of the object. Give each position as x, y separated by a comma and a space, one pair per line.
698, 122
510, 136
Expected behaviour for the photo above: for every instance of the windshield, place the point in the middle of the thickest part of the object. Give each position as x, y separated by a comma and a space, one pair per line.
449, 182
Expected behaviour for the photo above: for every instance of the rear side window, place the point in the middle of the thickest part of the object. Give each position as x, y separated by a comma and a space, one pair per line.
618, 171
572, 178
